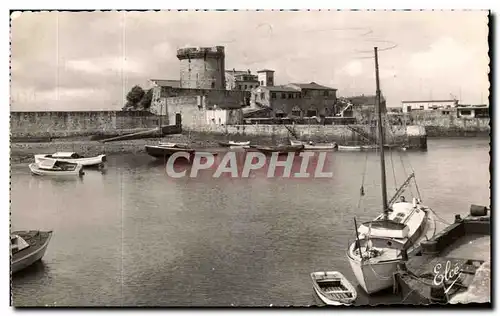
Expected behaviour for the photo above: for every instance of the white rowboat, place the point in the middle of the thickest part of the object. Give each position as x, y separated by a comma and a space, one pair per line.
53, 167
73, 158
333, 288
313, 146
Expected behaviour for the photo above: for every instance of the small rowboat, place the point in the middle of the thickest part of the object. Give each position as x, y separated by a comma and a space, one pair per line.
313, 146
333, 288
27, 247
55, 167
281, 149
74, 158
367, 147
234, 144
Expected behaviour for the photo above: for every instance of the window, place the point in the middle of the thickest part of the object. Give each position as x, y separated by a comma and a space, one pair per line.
325, 93
312, 112
465, 112
446, 112
262, 82
283, 95
280, 113
421, 107
245, 87
213, 85
239, 87
262, 95
296, 111
290, 95
273, 95
408, 108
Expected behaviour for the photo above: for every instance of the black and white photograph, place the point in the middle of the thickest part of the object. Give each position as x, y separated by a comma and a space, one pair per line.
250, 158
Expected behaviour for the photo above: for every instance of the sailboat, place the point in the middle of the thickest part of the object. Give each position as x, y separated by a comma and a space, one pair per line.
383, 242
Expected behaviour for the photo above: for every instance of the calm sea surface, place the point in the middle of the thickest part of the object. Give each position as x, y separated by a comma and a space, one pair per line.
133, 236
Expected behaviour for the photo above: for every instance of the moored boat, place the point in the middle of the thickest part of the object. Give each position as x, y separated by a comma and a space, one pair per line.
462, 252
74, 158
173, 145
55, 167
234, 144
383, 242
166, 151
367, 147
27, 247
280, 149
332, 288
314, 146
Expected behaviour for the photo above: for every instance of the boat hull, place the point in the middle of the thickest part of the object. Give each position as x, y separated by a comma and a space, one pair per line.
234, 144
310, 147
162, 152
50, 173
280, 150
34, 253
374, 277
86, 162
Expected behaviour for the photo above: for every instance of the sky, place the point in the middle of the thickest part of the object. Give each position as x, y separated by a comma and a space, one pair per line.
70, 61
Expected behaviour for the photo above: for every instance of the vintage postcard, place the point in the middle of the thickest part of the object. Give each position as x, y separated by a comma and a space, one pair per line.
190, 158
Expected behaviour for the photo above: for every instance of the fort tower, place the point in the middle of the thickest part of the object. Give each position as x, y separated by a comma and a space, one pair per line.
202, 67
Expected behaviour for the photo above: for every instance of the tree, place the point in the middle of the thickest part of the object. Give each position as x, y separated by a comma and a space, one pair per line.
134, 96
145, 102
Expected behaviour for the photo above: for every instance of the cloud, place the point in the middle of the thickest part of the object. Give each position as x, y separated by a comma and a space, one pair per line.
445, 54
103, 65
353, 69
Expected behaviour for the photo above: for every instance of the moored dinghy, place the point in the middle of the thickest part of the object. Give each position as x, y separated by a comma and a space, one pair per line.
280, 149
27, 247
332, 288
314, 146
162, 151
55, 167
73, 157
234, 144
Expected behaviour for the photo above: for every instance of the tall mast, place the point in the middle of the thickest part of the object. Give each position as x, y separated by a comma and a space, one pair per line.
381, 138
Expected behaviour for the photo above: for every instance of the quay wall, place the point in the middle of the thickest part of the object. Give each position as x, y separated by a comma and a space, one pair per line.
438, 124
415, 136
79, 123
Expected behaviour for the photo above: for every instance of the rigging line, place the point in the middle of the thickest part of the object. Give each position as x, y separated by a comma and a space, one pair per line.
394, 173
362, 190
414, 179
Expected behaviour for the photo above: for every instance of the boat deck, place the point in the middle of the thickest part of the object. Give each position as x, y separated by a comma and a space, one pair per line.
464, 244
34, 238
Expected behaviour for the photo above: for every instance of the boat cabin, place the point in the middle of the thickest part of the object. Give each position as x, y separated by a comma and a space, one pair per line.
17, 244
396, 225
57, 165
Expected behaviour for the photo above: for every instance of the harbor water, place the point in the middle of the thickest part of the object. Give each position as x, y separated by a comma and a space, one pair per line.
132, 236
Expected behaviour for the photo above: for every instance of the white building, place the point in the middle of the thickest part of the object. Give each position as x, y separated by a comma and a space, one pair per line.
426, 105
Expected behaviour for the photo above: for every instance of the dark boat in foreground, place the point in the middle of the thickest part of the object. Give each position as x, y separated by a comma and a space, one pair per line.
280, 149
27, 247
452, 267
162, 151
